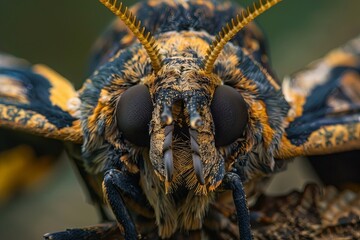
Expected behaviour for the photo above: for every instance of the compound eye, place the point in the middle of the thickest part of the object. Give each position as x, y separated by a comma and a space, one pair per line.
133, 115
230, 115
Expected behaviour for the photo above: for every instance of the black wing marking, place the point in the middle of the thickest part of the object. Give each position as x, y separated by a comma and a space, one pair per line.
325, 105
35, 99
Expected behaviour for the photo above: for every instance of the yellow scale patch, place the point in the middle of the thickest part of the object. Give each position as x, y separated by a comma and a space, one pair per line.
61, 91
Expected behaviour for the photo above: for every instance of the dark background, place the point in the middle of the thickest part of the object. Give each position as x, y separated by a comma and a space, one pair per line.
61, 33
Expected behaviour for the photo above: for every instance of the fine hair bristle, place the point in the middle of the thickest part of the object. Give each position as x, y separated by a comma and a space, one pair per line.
145, 37
230, 30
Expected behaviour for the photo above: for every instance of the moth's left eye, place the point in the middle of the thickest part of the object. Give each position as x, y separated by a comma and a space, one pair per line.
230, 115
133, 114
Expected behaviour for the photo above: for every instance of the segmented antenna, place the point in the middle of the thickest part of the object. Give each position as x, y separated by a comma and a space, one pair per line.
228, 32
147, 40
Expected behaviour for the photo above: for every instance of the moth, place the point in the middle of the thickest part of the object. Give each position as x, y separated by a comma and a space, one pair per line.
173, 120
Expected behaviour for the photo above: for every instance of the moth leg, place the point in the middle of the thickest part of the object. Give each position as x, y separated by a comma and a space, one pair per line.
104, 231
233, 182
115, 183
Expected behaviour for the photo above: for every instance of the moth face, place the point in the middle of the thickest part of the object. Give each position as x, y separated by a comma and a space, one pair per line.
183, 120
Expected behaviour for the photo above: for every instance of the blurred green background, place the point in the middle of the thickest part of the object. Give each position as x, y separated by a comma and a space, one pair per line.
61, 33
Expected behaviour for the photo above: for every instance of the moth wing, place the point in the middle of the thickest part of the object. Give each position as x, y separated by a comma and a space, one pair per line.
37, 100
325, 105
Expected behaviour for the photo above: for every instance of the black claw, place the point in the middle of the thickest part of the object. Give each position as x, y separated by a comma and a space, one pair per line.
168, 154
168, 139
99, 231
169, 164
198, 168
194, 146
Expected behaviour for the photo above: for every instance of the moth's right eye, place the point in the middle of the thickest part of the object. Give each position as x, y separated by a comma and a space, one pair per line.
133, 115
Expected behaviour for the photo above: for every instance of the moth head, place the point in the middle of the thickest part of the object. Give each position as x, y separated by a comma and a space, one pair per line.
183, 113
